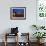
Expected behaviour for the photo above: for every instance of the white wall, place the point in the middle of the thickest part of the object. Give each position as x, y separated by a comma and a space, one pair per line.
24, 25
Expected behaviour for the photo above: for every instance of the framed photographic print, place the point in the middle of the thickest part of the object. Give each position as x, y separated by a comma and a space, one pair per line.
41, 12
41, 8
18, 13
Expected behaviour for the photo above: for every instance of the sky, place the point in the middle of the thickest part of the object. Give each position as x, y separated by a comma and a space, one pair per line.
18, 11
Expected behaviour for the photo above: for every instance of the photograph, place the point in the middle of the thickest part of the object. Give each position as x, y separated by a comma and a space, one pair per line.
18, 13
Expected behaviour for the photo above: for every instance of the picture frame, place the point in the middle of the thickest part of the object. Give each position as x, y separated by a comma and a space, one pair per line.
18, 13
41, 12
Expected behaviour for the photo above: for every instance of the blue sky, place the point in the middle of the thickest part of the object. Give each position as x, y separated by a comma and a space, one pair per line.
18, 11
